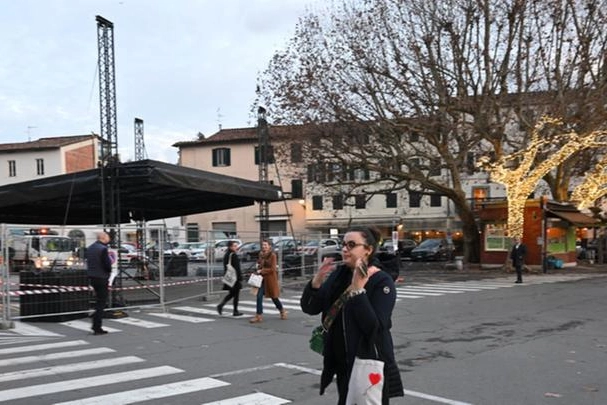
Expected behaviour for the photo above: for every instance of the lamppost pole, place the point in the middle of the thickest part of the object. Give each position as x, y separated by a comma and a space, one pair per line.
544, 234
262, 150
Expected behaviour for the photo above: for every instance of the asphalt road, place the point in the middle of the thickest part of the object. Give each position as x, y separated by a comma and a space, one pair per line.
482, 341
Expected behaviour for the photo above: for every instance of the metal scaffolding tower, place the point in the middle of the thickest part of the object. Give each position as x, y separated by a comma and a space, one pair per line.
109, 132
263, 151
139, 143
110, 161
141, 233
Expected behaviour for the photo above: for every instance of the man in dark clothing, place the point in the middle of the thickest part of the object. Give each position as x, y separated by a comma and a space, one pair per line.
518, 258
99, 268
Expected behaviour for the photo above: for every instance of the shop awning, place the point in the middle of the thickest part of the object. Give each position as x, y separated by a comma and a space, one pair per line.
575, 218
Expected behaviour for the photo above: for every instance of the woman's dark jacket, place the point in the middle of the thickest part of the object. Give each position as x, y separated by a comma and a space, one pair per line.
363, 317
236, 265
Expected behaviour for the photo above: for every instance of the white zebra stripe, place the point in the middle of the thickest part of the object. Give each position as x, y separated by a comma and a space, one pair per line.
44, 346
140, 322
197, 310
414, 292
184, 318
25, 329
87, 382
438, 290
251, 399
149, 393
68, 368
82, 325
55, 356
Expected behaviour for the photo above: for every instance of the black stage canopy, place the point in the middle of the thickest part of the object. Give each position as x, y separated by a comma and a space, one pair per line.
148, 190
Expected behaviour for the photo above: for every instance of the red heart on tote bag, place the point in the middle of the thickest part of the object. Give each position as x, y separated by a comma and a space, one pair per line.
374, 378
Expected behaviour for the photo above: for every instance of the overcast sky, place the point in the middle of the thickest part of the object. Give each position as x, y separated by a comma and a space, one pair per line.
183, 66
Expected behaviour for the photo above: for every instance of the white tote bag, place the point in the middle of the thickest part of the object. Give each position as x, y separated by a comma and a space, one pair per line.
230, 278
366, 382
255, 280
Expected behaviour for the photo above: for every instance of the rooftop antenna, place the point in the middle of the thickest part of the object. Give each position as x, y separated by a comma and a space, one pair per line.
219, 117
29, 132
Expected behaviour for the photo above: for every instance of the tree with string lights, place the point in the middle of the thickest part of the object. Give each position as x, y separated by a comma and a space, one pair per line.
593, 187
551, 144
408, 90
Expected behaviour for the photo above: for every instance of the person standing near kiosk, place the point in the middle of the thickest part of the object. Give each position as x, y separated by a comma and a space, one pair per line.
517, 255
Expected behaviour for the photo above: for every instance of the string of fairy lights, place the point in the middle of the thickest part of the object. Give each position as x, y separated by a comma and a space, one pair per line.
593, 187
519, 172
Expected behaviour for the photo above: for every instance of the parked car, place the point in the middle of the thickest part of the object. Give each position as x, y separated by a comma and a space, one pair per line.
287, 246
307, 255
221, 246
291, 264
129, 255
248, 251
326, 246
405, 246
179, 249
199, 251
276, 239
432, 249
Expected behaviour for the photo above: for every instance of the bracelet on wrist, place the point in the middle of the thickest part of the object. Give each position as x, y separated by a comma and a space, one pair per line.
354, 293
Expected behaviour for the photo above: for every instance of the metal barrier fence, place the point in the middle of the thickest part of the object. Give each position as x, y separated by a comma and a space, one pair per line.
43, 269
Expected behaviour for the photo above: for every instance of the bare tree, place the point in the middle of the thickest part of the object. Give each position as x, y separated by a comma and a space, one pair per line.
407, 89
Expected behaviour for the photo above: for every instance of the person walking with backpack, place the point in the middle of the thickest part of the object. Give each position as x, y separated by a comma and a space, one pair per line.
233, 292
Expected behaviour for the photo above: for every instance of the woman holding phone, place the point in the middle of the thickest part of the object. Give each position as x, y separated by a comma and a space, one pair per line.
364, 318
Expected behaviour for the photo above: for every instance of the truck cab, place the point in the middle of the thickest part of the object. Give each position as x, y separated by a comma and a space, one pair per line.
42, 250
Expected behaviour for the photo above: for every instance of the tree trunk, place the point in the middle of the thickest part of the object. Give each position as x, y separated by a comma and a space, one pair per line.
470, 231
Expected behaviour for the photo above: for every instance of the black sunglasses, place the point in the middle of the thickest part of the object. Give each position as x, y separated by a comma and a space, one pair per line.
349, 245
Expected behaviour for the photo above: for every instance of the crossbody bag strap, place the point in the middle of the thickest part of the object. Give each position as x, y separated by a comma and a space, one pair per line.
334, 310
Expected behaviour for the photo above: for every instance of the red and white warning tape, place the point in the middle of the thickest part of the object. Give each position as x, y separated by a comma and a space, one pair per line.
53, 289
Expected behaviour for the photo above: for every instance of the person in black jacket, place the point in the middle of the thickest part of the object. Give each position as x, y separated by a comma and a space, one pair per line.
365, 317
99, 268
518, 253
234, 291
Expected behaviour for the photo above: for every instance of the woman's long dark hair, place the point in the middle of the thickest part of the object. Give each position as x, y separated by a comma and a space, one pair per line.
370, 234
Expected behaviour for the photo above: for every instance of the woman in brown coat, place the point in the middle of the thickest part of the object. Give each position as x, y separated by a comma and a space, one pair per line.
266, 266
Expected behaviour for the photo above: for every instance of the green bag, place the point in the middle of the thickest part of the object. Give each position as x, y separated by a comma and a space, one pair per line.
317, 340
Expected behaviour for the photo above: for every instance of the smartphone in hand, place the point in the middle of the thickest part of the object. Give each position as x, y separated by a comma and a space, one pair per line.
362, 268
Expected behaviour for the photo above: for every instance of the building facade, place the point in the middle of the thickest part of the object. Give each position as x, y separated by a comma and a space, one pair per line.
312, 205
53, 156
47, 157
233, 152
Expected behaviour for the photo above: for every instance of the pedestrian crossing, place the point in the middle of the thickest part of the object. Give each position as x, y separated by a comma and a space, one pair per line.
207, 312
35, 363
424, 290
100, 366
